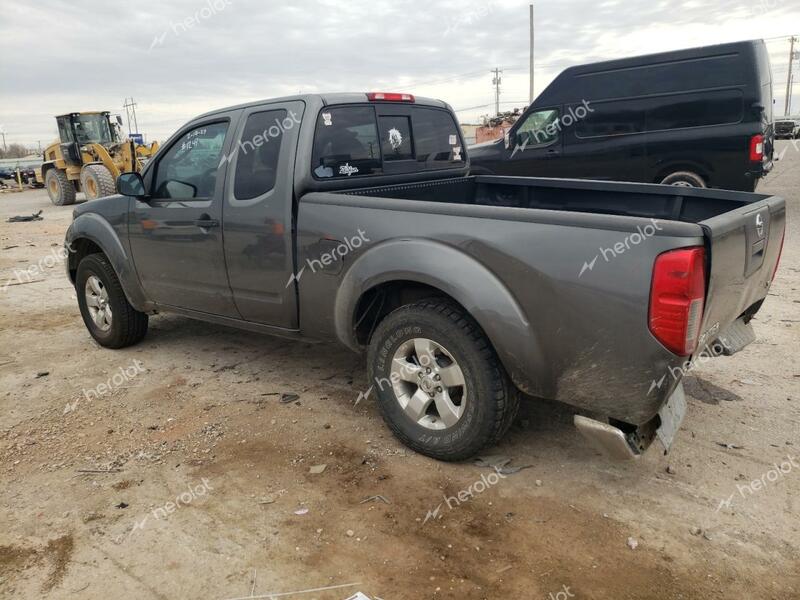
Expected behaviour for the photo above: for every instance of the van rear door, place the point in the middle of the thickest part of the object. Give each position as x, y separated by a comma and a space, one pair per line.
736, 288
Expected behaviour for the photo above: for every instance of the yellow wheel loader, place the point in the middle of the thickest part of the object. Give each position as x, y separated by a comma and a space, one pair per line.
89, 156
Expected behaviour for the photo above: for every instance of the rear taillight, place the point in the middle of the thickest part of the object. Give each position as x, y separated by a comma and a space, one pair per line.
676, 298
389, 97
757, 148
780, 252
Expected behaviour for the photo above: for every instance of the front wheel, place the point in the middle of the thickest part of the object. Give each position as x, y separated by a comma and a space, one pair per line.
97, 182
440, 387
106, 312
59, 188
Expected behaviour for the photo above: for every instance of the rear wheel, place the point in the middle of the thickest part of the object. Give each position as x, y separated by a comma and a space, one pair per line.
97, 182
684, 179
440, 386
106, 312
60, 189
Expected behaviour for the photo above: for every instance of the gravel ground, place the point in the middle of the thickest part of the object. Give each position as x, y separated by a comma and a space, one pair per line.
173, 468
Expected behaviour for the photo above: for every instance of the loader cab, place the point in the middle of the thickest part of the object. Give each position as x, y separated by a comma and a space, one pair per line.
87, 128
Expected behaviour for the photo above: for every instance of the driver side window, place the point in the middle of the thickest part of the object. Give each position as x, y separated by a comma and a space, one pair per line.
539, 128
189, 168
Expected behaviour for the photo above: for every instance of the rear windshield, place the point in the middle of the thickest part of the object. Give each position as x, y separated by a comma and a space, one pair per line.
360, 140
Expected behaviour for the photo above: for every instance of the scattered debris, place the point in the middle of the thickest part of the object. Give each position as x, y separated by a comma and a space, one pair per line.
375, 499
538, 483
632, 543
499, 463
730, 446
288, 397
350, 533
98, 471
317, 469
301, 511
26, 218
670, 469
746, 382
267, 500
122, 505
696, 531
42, 374
9, 247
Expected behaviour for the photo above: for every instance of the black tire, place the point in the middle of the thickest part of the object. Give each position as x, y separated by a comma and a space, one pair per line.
97, 182
128, 325
60, 189
492, 401
684, 179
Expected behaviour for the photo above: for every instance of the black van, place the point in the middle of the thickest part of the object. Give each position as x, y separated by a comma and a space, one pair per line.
700, 117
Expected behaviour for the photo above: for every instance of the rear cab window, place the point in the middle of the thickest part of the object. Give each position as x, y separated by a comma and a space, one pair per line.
384, 139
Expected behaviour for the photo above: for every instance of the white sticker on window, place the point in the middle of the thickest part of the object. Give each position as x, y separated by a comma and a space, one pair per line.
453, 140
457, 153
327, 119
347, 169
395, 138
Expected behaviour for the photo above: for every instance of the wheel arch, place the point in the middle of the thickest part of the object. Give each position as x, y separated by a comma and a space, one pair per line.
90, 233
399, 272
689, 166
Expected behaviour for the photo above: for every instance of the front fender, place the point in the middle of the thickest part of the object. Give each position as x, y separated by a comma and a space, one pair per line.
464, 279
94, 228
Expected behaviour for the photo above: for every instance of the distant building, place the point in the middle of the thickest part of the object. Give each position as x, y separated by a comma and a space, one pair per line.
469, 131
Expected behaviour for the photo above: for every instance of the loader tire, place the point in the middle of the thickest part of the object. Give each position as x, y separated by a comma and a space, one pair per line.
60, 189
97, 182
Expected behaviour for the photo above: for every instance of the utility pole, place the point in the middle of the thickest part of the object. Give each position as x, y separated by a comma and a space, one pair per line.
792, 40
496, 83
530, 93
3, 133
132, 106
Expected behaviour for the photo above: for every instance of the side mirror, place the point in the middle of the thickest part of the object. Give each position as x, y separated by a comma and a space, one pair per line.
131, 184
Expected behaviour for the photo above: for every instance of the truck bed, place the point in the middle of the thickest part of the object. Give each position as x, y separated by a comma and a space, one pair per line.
689, 205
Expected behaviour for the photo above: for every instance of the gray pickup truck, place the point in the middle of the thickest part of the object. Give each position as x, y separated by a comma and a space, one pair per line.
353, 218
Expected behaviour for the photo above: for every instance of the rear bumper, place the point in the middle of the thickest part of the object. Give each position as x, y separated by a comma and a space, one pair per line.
621, 443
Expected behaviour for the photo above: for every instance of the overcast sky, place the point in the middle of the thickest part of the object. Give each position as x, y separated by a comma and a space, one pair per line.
179, 58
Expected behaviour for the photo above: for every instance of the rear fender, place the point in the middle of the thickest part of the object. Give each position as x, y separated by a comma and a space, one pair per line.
459, 276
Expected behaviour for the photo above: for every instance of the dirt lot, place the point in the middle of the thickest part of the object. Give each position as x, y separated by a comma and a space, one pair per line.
184, 474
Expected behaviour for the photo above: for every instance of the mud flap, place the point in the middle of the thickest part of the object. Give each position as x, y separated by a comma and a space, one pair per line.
671, 415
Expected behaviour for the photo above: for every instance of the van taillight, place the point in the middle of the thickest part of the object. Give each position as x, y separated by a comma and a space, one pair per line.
757, 148
676, 298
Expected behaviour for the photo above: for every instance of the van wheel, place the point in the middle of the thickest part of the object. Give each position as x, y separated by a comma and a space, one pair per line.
684, 179
106, 312
440, 387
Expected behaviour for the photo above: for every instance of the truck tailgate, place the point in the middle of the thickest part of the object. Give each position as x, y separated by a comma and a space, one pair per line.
744, 248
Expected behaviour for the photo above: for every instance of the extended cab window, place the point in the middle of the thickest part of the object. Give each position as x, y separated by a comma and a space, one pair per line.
188, 170
346, 143
257, 154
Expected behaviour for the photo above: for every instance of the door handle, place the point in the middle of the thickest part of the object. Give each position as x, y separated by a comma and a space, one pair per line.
205, 222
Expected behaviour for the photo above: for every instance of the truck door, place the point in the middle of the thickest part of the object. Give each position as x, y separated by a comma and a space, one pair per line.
176, 236
258, 214
534, 148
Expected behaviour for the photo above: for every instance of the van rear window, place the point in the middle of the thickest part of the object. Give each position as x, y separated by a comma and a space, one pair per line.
354, 141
